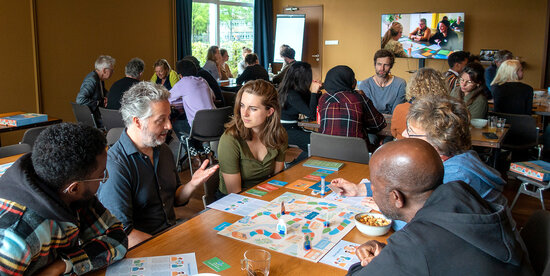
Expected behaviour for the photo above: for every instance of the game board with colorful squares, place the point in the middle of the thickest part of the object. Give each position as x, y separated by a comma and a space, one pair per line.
312, 226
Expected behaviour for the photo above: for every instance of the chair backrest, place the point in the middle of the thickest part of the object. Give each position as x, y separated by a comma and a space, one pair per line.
83, 114
113, 134
14, 150
31, 134
229, 98
344, 148
536, 235
522, 132
111, 118
208, 124
210, 188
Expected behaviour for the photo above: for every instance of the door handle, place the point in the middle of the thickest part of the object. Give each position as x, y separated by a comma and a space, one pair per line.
315, 56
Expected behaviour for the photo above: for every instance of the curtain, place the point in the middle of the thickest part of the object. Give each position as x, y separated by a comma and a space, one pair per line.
183, 27
263, 31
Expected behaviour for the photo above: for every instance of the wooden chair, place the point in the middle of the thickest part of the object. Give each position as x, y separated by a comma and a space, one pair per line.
111, 118
536, 235
31, 134
83, 114
14, 150
344, 148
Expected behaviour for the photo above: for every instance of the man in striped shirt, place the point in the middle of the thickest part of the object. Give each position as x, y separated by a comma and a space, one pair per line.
51, 221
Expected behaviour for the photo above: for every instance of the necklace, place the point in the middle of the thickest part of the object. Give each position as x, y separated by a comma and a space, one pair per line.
384, 84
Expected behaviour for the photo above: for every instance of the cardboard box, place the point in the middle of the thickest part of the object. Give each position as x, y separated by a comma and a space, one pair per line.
537, 169
23, 119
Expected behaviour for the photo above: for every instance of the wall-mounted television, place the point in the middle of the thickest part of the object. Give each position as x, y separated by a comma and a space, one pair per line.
425, 35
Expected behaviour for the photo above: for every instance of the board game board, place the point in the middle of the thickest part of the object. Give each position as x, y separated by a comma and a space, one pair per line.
170, 265
303, 215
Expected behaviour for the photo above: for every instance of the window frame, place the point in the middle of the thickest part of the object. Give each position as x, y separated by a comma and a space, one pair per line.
221, 2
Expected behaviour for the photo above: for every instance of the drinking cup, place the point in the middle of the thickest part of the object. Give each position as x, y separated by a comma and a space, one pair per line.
256, 262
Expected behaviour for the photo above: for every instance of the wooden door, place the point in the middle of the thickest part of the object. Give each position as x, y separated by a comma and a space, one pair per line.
313, 37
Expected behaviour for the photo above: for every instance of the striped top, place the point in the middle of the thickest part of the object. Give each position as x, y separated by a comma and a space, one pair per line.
29, 242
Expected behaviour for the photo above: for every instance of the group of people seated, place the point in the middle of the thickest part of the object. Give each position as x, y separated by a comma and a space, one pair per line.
430, 179
445, 36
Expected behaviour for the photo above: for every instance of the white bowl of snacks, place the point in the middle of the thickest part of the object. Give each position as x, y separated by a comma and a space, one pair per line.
372, 224
479, 123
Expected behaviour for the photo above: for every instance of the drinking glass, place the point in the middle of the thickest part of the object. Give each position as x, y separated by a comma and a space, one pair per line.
500, 123
492, 123
256, 262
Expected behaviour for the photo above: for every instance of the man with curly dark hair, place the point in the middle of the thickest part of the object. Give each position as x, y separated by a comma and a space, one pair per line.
52, 223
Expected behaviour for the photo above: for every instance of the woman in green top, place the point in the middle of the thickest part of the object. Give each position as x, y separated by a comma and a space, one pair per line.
471, 90
254, 143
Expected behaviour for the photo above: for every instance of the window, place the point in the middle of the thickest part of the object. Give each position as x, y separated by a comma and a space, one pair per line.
228, 24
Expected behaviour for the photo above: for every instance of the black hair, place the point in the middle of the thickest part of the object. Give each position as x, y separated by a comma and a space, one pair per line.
297, 78
223, 52
382, 53
251, 59
194, 60
457, 57
186, 68
67, 152
477, 75
287, 52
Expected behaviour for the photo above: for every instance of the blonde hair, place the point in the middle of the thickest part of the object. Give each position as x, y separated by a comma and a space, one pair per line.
391, 32
272, 135
426, 81
446, 122
162, 63
507, 72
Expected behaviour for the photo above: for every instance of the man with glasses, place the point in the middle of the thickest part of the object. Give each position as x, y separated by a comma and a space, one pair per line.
422, 32
51, 221
144, 186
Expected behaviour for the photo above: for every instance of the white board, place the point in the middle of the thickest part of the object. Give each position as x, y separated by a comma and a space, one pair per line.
289, 31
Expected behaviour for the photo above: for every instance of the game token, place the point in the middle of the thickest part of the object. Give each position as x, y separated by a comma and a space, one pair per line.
282, 208
307, 242
281, 227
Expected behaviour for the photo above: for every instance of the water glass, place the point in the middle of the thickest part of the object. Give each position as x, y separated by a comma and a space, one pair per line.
256, 262
492, 123
500, 123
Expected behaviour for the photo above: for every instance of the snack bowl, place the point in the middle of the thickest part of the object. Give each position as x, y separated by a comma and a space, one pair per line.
371, 230
479, 123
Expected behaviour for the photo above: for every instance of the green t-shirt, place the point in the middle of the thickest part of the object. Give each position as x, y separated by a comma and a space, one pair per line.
235, 157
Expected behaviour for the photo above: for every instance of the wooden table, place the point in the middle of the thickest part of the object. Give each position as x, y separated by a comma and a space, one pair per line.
5, 128
197, 234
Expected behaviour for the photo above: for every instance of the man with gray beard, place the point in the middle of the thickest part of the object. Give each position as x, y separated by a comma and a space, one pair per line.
143, 185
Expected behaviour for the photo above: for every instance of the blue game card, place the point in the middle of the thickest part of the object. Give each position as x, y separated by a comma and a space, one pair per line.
317, 187
222, 226
277, 183
325, 171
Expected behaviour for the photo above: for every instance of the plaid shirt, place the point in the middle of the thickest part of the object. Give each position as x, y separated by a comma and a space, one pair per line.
451, 79
28, 242
349, 114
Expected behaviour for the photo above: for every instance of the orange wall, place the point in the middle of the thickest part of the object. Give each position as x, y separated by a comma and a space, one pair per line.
71, 34
518, 26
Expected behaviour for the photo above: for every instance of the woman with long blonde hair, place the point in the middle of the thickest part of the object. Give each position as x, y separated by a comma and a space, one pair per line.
253, 146
390, 40
511, 95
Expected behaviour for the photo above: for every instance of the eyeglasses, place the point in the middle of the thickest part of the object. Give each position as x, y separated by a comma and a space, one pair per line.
413, 135
105, 177
461, 80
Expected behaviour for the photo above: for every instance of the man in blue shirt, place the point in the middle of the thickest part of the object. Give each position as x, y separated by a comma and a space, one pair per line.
143, 186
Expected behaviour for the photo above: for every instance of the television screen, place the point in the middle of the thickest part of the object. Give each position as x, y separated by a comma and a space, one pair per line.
423, 35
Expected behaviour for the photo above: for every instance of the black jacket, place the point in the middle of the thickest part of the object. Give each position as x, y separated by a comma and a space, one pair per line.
455, 233
253, 72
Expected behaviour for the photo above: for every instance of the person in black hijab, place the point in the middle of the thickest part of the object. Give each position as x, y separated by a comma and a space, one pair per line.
345, 111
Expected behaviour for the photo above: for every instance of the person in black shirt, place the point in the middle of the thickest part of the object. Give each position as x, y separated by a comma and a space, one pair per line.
133, 71
511, 95
253, 70
298, 94
445, 37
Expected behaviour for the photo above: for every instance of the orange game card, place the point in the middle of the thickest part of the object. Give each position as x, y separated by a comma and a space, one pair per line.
300, 185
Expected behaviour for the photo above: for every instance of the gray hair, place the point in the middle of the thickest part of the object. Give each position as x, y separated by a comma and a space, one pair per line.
103, 62
134, 67
136, 102
503, 55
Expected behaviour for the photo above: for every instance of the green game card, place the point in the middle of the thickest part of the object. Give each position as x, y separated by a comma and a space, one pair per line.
216, 264
256, 192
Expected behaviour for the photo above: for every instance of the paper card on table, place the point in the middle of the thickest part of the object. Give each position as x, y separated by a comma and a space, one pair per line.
342, 255
277, 182
300, 185
334, 188
256, 192
317, 187
181, 264
216, 264
354, 200
237, 204
317, 173
313, 177
325, 171
222, 226
267, 187
4, 167
366, 182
